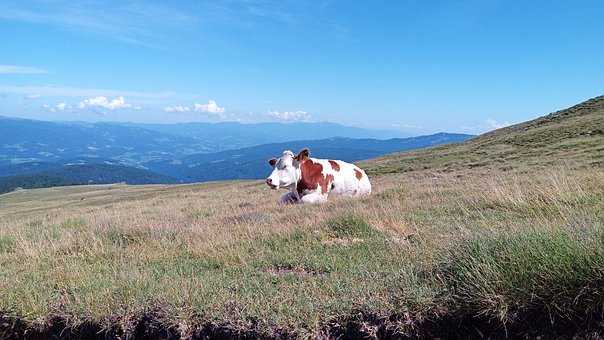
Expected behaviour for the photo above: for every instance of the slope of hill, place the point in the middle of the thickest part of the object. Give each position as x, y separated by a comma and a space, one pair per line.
78, 174
571, 137
14, 169
250, 163
443, 248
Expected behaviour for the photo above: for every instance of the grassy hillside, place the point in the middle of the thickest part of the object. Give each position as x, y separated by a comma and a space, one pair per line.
573, 137
450, 249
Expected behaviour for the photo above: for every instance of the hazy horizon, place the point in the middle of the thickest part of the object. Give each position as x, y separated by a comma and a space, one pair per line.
199, 122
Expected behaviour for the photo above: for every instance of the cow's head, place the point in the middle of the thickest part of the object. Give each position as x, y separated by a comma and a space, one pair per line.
286, 169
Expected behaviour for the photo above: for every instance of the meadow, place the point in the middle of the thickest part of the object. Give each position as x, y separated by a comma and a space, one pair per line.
499, 246
502, 235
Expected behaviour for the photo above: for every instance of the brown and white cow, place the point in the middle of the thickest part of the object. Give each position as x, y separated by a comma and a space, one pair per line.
311, 180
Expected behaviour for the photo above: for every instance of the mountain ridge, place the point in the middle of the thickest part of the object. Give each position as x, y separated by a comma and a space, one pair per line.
38, 140
571, 137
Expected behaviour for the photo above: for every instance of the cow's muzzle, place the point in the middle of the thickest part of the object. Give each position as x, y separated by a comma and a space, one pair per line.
269, 182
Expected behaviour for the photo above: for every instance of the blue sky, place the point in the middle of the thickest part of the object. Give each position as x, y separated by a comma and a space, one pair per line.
419, 66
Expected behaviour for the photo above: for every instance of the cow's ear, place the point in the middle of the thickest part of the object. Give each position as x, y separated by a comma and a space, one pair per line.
272, 161
303, 155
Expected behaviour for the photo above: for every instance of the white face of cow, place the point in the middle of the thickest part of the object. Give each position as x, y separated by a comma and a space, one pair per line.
285, 171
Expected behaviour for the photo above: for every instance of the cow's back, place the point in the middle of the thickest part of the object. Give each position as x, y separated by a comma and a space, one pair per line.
348, 179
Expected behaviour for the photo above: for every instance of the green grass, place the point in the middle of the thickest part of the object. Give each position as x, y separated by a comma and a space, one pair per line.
570, 137
500, 248
558, 273
7, 243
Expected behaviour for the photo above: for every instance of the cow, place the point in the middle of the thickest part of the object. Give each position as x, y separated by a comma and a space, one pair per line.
311, 180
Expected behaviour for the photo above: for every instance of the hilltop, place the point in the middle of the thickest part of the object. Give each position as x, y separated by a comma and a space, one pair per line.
500, 235
571, 137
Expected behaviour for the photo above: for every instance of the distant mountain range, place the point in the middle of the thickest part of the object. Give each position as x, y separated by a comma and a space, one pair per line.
40, 154
249, 163
232, 135
38, 141
23, 140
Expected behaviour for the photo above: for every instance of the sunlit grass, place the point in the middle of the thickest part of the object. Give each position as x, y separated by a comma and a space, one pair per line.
492, 245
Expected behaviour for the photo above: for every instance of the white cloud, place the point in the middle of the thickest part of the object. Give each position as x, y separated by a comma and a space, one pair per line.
177, 108
492, 124
94, 103
62, 106
210, 107
15, 69
290, 116
105, 103
32, 96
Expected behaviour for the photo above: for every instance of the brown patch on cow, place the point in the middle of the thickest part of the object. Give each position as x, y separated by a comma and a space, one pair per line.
312, 177
334, 165
326, 183
358, 173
